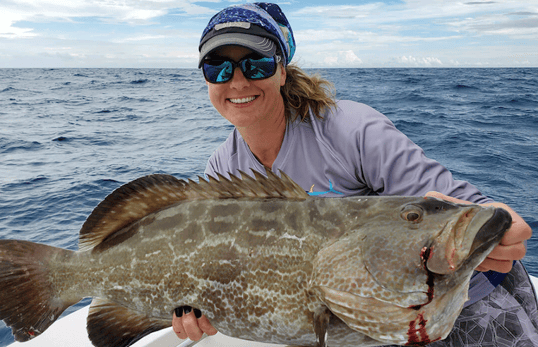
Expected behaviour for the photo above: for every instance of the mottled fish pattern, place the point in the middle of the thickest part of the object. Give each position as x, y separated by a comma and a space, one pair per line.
261, 259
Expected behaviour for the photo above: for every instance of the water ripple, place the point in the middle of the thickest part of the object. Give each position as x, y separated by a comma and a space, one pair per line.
69, 137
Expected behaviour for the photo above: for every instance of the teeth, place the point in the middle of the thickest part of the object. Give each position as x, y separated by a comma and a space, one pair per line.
243, 100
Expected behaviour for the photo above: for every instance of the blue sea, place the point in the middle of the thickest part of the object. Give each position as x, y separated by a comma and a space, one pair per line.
69, 137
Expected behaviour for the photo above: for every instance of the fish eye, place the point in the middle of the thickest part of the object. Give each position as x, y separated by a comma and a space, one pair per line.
412, 214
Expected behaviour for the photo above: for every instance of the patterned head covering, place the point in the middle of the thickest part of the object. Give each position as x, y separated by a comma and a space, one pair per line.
258, 26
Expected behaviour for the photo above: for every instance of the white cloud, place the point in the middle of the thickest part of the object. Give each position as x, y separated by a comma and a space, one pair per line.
412, 10
7, 30
522, 25
329, 35
130, 42
421, 32
331, 60
312, 35
126, 11
420, 62
138, 38
405, 33
350, 57
339, 59
341, 11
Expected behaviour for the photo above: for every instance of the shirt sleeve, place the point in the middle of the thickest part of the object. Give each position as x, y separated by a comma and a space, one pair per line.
391, 164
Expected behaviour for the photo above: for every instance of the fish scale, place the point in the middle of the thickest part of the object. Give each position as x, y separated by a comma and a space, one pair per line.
261, 259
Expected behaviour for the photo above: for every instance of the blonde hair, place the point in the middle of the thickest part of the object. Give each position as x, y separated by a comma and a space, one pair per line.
303, 93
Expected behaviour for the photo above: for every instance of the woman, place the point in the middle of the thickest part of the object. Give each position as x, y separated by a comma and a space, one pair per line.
286, 120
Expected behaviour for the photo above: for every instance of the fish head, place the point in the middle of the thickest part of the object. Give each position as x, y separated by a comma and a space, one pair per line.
431, 248
466, 238
415, 236
401, 274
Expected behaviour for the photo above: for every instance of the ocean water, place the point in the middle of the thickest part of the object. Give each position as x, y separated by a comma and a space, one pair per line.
69, 137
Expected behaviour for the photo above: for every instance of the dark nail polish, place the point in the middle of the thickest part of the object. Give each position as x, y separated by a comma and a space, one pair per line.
179, 311
187, 309
197, 313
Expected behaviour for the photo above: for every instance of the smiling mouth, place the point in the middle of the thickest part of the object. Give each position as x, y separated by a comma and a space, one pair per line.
243, 100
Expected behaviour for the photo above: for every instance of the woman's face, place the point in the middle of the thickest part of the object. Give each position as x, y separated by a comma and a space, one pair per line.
248, 103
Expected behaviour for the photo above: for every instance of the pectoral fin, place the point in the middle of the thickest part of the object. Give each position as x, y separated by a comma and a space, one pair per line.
379, 320
111, 325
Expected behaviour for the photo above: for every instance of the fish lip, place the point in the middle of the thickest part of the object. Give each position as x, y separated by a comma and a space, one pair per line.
467, 240
492, 231
457, 241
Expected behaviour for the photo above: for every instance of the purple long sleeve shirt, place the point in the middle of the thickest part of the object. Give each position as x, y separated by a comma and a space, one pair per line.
353, 151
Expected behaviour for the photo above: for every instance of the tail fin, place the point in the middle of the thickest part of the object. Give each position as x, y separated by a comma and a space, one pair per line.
28, 302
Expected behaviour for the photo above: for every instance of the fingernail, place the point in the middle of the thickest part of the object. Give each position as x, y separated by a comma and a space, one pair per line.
179, 311
197, 313
187, 309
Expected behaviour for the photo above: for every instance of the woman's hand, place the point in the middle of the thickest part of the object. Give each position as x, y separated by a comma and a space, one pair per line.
190, 323
511, 247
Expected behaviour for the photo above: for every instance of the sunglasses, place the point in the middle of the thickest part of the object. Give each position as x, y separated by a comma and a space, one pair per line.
218, 70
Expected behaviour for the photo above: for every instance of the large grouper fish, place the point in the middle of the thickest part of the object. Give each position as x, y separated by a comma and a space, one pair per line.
261, 259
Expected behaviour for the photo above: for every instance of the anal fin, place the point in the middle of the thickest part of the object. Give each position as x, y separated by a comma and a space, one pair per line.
112, 325
321, 325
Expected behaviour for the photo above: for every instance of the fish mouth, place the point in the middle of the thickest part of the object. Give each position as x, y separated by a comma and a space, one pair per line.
492, 231
467, 238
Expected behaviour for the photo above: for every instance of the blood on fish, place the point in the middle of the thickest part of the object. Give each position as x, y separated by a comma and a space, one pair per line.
418, 335
426, 254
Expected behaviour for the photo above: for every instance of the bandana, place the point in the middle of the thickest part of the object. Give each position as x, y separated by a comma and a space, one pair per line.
249, 25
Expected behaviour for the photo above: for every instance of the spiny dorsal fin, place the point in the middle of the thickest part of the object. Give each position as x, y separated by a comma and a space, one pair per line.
271, 186
143, 196
127, 204
111, 325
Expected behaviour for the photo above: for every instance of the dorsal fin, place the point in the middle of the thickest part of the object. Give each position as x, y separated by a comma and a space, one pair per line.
143, 196
127, 204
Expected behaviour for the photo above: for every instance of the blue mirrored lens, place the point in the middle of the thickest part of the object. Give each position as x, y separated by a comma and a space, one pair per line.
258, 68
220, 71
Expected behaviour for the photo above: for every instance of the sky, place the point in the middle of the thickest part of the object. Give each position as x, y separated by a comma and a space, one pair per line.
349, 34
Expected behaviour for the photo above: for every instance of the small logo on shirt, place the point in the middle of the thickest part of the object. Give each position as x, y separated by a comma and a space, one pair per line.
311, 192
